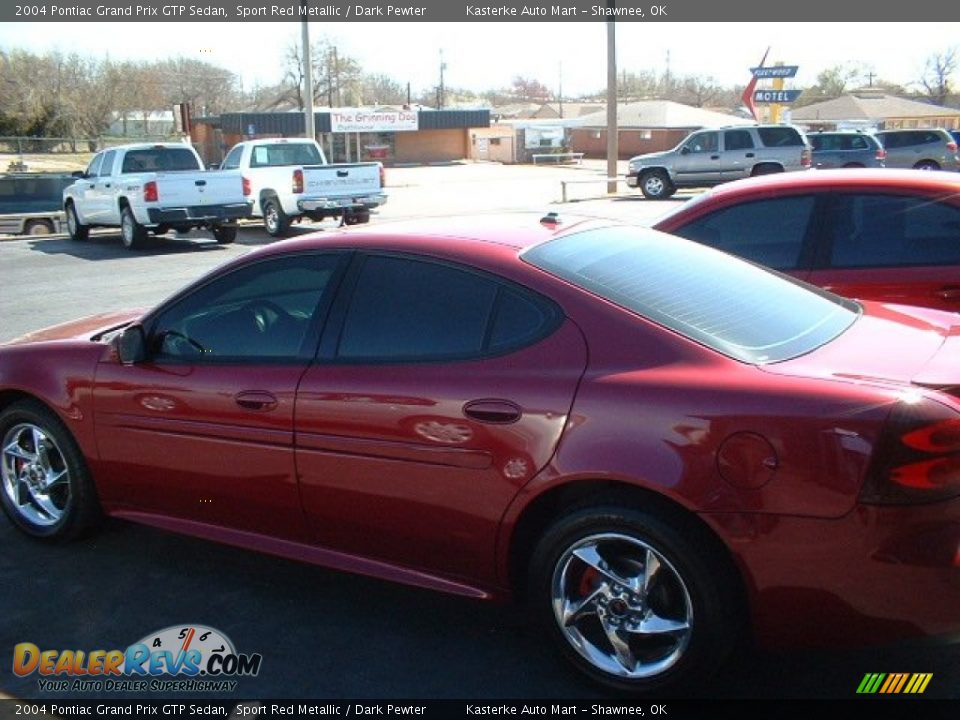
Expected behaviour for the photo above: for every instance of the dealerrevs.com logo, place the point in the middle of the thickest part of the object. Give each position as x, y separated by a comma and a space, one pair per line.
185, 658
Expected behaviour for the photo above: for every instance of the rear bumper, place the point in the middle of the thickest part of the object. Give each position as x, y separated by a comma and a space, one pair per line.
199, 213
362, 202
877, 575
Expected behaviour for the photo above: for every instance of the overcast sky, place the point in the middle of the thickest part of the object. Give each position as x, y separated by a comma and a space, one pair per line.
486, 55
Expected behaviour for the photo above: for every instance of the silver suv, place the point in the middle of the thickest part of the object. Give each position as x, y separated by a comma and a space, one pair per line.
924, 149
717, 155
846, 149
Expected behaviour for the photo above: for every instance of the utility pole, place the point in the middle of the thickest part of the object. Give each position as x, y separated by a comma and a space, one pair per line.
613, 147
560, 86
309, 125
443, 66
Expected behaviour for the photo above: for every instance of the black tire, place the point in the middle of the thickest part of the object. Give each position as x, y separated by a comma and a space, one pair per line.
275, 220
766, 169
161, 230
356, 218
77, 230
38, 227
225, 234
132, 234
693, 588
72, 497
927, 165
656, 185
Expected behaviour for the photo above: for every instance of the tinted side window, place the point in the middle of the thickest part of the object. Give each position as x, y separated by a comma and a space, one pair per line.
737, 140
262, 311
779, 136
893, 139
518, 320
890, 231
405, 309
769, 232
704, 142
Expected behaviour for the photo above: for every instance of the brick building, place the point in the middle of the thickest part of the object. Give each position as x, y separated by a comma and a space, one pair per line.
643, 127
440, 136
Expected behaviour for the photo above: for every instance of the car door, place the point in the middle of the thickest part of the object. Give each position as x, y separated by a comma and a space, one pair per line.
103, 192
439, 393
699, 159
780, 233
202, 430
84, 191
739, 154
892, 247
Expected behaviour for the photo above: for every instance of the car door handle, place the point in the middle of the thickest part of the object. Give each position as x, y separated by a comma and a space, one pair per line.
714, 157
948, 293
750, 155
255, 400
497, 412
107, 185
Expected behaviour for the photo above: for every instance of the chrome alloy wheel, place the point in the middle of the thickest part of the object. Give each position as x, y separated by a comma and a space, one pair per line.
72, 220
272, 218
654, 185
127, 230
35, 475
622, 606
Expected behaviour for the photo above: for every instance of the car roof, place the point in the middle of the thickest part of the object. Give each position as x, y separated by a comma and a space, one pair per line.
885, 178
464, 234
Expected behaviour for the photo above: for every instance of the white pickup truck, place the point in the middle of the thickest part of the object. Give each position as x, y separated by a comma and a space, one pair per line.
289, 178
153, 188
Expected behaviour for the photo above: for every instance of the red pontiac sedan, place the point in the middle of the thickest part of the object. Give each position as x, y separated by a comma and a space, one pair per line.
660, 447
887, 235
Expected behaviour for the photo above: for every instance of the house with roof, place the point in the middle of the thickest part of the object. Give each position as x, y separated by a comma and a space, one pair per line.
644, 126
874, 110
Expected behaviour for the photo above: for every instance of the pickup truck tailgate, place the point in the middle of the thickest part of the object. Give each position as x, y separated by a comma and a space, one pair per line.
350, 180
193, 188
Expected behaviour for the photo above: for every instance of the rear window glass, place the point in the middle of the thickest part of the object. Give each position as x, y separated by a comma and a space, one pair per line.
779, 136
285, 154
159, 159
726, 304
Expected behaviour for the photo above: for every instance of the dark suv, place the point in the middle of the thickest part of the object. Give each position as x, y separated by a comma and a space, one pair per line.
923, 149
846, 148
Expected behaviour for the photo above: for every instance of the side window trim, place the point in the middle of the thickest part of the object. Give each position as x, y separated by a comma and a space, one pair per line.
340, 306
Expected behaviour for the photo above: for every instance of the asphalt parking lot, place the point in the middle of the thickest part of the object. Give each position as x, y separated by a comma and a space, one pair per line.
324, 634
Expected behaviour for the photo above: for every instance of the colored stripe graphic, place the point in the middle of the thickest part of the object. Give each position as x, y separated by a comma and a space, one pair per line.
894, 683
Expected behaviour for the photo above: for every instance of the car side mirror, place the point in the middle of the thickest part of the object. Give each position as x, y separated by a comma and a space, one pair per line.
132, 345
78, 174
684, 150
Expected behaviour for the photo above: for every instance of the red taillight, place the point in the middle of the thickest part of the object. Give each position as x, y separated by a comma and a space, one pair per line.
246, 187
881, 154
298, 180
805, 157
150, 193
383, 177
917, 457
952, 147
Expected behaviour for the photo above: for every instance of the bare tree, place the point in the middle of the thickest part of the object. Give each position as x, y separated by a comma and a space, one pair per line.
937, 73
698, 91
